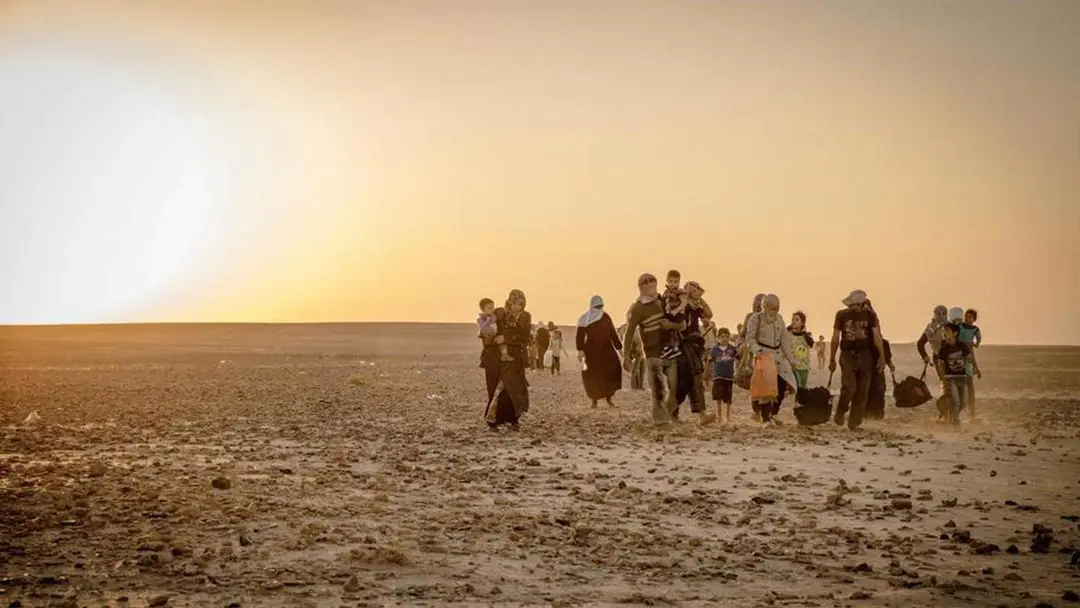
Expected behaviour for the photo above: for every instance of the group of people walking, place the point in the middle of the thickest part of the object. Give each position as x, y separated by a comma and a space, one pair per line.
671, 347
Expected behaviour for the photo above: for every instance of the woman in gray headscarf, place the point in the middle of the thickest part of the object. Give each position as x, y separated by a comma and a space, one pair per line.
766, 334
746, 362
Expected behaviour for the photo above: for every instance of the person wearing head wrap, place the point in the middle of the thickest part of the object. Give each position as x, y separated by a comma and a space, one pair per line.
932, 336
598, 346
857, 335
767, 335
692, 356
956, 315
647, 315
746, 362
508, 390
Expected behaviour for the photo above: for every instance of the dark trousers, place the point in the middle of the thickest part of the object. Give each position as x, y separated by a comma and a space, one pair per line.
556, 366
768, 410
875, 402
856, 374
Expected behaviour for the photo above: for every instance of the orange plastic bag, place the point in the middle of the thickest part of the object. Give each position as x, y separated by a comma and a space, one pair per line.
763, 385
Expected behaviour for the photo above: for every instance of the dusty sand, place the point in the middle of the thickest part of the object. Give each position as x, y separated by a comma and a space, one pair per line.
359, 472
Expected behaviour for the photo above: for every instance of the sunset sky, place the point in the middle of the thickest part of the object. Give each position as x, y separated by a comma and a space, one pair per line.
398, 160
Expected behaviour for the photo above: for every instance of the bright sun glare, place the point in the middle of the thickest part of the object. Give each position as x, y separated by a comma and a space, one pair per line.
106, 185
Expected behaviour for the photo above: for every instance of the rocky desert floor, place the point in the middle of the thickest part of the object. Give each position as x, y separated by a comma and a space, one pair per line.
348, 465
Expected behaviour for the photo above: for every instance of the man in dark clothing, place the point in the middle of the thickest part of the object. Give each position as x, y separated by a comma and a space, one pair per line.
647, 314
857, 334
543, 340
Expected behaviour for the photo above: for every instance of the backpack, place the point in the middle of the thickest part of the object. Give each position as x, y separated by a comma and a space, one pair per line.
911, 391
813, 406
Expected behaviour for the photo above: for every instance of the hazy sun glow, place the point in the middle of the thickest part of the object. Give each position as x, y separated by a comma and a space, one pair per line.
331, 160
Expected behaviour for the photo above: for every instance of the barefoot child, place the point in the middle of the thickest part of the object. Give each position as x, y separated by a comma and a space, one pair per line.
953, 360
820, 353
801, 343
723, 357
488, 327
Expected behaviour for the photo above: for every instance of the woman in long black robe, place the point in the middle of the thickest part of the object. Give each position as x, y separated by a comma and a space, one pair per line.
599, 346
508, 390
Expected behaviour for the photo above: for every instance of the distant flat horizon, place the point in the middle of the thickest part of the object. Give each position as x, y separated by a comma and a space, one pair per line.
311, 324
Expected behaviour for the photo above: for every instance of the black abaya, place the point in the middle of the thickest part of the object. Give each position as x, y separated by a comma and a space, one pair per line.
600, 342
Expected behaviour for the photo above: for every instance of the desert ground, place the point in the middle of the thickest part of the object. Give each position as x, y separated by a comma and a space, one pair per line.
348, 465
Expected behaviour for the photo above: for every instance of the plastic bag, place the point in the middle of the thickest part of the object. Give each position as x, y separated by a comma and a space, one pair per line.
763, 384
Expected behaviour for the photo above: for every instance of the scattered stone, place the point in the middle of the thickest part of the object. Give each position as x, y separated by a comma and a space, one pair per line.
1070, 596
158, 601
1012, 550
97, 469
1041, 529
901, 504
221, 483
1041, 543
352, 585
766, 498
987, 549
245, 541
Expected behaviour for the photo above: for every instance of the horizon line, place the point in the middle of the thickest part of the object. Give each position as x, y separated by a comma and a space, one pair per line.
4, 326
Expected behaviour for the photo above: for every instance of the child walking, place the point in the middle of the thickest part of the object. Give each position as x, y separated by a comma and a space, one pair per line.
971, 335
723, 357
953, 362
557, 351
820, 353
801, 343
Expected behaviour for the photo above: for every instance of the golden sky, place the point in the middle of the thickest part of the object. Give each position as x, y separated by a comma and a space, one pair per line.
396, 161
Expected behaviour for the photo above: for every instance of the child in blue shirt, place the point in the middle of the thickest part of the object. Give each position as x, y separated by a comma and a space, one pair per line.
723, 357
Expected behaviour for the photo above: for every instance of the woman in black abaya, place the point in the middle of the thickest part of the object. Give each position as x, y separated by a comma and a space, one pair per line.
508, 390
598, 348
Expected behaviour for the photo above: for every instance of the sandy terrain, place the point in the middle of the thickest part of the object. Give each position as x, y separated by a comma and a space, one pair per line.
348, 465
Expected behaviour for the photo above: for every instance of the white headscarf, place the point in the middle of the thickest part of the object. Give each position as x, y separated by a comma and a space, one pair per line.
594, 314
956, 314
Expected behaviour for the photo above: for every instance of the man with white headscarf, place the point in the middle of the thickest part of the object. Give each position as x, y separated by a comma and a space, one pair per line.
857, 334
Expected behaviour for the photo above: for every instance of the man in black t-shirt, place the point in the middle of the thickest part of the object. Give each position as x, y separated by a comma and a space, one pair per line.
857, 334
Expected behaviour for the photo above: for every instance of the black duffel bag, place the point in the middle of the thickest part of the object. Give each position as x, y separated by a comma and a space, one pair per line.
813, 406
911, 391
